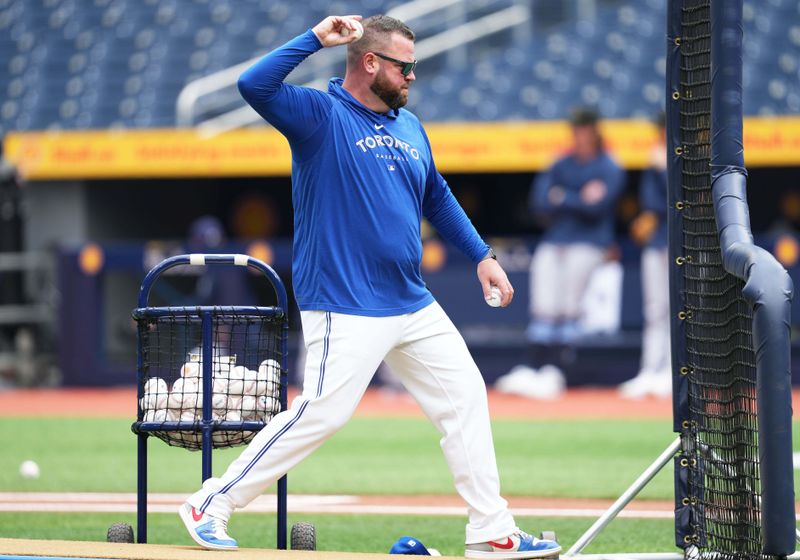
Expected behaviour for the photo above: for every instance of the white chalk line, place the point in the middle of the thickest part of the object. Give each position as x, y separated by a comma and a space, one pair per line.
91, 502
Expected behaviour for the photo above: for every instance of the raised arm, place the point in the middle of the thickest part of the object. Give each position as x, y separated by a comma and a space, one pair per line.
295, 111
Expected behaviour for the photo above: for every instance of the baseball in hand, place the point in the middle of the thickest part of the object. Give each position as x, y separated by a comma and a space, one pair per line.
358, 32
495, 298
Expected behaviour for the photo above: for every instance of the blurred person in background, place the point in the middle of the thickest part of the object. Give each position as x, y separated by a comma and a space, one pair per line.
575, 202
218, 285
649, 230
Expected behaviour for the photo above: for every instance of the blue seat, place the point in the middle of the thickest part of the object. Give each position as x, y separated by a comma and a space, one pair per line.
100, 53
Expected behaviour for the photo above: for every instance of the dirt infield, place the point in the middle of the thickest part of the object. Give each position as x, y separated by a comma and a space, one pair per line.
121, 403
449, 505
71, 549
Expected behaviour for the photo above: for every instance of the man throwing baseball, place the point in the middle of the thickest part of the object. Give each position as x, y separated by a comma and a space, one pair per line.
363, 177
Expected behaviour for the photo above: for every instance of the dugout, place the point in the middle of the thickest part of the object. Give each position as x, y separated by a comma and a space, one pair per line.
109, 205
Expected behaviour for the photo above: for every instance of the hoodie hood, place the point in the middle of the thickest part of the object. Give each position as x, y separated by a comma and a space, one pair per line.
336, 89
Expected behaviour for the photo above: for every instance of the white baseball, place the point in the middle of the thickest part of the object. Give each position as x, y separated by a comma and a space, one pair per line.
234, 403
155, 385
233, 416
261, 406
250, 383
358, 31
159, 415
222, 365
264, 407
235, 377
220, 384
236, 380
270, 367
191, 370
273, 406
259, 382
495, 298
270, 372
219, 402
236, 372
179, 385
186, 394
154, 401
248, 407
219, 438
236, 387
155, 394
193, 400
175, 402
161, 401
29, 469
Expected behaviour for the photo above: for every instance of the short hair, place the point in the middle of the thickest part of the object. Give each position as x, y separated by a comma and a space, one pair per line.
377, 30
583, 116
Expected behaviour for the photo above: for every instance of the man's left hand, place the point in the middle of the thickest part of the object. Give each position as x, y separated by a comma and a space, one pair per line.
490, 273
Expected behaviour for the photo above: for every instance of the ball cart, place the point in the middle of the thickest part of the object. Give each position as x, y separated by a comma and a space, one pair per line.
209, 377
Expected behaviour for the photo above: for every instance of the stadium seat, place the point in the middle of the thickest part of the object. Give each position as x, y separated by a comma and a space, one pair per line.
100, 59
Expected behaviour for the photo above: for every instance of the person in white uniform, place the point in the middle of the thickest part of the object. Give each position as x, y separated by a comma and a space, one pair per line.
362, 180
575, 202
649, 229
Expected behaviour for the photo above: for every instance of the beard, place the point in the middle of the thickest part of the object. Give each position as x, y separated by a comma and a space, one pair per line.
394, 97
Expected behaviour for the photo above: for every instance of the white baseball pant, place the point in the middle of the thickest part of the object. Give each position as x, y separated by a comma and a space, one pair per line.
559, 275
656, 356
430, 357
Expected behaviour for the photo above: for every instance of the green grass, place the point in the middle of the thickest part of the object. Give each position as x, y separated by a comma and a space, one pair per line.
597, 458
361, 533
369, 456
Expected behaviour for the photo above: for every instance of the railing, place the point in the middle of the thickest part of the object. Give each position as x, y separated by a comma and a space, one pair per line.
450, 41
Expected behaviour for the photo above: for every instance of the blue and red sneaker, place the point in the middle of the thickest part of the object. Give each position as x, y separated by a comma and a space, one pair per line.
207, 531
518, 545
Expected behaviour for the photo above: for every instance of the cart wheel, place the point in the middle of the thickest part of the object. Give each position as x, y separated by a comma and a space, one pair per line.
549, 536
120, 533
304, 536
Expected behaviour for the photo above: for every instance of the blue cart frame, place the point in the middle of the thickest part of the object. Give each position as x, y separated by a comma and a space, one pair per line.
207, 425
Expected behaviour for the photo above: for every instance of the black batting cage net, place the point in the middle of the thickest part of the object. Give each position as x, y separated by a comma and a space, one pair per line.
723, 460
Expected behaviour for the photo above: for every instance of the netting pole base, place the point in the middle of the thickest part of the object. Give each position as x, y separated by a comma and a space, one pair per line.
626, 498
141, 488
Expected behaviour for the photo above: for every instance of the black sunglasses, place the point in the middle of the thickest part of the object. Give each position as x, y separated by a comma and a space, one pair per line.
405, 67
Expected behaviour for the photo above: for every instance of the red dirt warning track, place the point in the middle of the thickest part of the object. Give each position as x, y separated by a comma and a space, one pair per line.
574, 404
440, 505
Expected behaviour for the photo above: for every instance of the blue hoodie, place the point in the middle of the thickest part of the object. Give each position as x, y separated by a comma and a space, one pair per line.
361, 183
